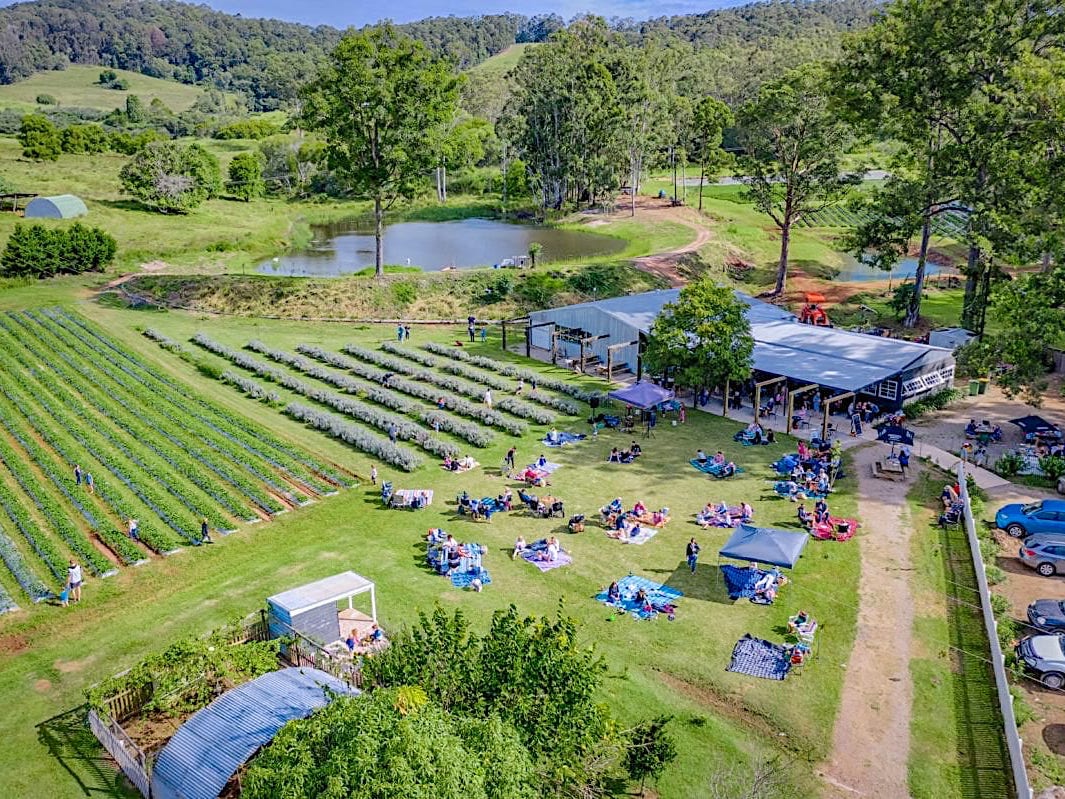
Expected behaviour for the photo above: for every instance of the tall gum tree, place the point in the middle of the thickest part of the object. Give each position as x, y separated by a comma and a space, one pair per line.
382, 103
792, 142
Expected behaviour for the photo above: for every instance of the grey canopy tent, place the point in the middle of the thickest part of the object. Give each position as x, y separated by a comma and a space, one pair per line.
642, 395
765, 545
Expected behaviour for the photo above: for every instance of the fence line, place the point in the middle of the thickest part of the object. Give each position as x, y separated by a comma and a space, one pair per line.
998, 663
130, 758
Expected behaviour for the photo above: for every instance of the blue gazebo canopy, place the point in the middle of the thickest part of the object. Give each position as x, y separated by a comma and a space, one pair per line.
765, 545
642, 395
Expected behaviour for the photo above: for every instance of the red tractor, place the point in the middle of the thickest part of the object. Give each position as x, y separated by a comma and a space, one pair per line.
812, 313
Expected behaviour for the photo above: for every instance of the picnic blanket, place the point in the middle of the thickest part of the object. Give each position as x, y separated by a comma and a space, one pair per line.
830, 530
404, 497
760, 658
663, 598
735, 513
713, 469
781, 488
643, 535
563, 439
463, 579
547, 468
532, 553
740, 580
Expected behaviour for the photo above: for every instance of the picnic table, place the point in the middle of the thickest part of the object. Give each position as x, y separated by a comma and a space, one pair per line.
889, 468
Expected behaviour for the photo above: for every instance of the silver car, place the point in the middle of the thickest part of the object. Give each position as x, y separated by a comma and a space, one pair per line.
1043, 656
1045, 554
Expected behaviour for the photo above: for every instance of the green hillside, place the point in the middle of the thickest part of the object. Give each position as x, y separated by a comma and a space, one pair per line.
499, 64
77, 86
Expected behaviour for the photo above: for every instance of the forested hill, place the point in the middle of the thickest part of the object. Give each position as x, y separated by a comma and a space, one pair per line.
267, 60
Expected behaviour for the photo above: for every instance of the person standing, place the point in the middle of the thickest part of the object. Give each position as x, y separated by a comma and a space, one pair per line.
509, 459
692, 553
205, 532
74, 580
472, 331
488, 398
373, 475
484, 333
521, 386
77, 474
399, 332
89, 485
406, 332
392, 432
133, 527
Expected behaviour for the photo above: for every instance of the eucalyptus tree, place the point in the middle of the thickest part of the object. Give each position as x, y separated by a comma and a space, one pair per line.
382, 104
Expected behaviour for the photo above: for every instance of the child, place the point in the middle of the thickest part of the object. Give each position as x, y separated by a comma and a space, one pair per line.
373, 475
64, 597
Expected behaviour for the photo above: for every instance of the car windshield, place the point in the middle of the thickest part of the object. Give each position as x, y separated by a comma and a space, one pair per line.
1032, 508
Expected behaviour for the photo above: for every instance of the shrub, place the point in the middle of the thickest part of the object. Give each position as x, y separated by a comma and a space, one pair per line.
38, 251
404, 293
84, 139
172, 178
39, 138
359, 438
933, 402
246, 177
1053, 467
253, 128
46, 99
1009, 464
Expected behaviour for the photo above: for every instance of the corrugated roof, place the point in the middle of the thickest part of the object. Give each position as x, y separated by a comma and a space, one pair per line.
331, 589
207, 750
831, 357
59, 206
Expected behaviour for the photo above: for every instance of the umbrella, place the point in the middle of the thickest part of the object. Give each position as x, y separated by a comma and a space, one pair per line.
1036, 426
894, 434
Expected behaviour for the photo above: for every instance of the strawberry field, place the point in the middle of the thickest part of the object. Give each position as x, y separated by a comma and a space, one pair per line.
157, 452
950, 224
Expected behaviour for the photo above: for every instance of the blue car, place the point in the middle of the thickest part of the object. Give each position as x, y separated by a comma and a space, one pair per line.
1046, 517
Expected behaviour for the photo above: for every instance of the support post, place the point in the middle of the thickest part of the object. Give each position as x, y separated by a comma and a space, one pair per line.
828, 410
581, 344
373, 604
758, 396
791, 400
609, 364
504, 326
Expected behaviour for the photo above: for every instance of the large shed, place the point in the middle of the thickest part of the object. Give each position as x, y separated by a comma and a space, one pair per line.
209, 748
889, 369
313, 609
61, 206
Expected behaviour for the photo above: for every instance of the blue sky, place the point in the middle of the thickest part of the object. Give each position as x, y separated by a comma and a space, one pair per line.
341, 13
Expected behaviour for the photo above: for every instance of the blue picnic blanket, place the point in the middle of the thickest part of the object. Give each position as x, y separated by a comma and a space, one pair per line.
787, 463
563, 439
461, 579
781, 487
712, 469
760, 658
663, 598
740, 580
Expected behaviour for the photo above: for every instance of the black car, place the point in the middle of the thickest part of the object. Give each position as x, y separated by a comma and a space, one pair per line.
1048, 615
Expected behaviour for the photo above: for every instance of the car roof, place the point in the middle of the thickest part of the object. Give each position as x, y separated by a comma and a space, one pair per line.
1045, 539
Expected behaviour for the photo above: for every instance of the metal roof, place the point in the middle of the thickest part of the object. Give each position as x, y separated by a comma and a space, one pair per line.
828, 356
61, 206
207, 750
313, 595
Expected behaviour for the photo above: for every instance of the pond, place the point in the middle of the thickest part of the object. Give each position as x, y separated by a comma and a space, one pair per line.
854, 271
346, 247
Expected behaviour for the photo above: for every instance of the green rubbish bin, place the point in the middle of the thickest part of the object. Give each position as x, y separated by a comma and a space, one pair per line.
974, 388
983, 385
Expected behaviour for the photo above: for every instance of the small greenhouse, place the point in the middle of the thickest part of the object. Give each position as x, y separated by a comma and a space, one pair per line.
61, 206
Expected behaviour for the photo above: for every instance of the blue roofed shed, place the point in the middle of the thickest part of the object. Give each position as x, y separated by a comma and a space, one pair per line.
209, 748
61, 206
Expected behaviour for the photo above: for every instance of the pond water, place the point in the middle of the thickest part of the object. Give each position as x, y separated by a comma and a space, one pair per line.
346, 247
854, 271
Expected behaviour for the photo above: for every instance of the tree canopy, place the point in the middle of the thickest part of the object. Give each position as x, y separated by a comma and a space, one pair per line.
382, 105
704, 337
172, 178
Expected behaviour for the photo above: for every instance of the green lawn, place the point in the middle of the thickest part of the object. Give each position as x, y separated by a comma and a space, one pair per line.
77, 86
957, 750
49, 655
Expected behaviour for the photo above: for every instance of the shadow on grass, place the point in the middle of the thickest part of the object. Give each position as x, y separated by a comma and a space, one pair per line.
69, 740
706, 584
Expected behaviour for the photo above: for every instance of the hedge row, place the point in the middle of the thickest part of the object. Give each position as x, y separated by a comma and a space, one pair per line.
437, 420
23, 573
358, 437
366, 413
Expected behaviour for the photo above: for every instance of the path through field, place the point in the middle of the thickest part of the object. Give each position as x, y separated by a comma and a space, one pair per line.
872, 736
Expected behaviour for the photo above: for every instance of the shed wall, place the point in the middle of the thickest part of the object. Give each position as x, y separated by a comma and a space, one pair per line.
596, 323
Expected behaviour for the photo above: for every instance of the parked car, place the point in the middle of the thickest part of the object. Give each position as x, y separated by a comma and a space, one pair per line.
1044, 553
1044, 656
1045, 516
1047, 615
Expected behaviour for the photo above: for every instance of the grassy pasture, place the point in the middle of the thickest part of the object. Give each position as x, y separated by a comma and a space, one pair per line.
77, 86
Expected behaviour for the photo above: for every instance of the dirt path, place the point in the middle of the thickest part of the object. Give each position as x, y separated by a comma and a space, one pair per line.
871, 744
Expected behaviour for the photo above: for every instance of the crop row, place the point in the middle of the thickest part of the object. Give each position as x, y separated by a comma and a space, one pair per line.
40, 543
423, 391
7, 604
159, 417
88, 438
511, 370
251, 437
404, 429
126, 550
164, 341
74, 538
357, 437
33, 586
100, 442
508, 404
478, 375
250, 387
436, 419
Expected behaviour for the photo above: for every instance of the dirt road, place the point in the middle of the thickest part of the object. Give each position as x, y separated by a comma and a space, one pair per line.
872, 736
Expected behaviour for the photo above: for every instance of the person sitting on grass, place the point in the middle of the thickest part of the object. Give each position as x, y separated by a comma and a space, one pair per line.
613, 593
519, 547
467, 463
541, 462
614, 457
706, 517
553, 549
553, 437
506, 498
821, 511
728, 470
823, 485
700, 458
660, 517
640, 597
636, 451
805, 519
746, 512
639, 509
